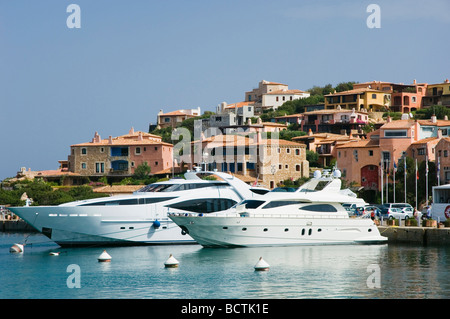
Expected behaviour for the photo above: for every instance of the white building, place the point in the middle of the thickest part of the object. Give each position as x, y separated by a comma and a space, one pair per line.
275, 99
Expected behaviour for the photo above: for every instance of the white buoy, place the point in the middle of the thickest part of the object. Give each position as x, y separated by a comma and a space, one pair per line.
54, 253
104, 257
261, 265
16, 248
171, 262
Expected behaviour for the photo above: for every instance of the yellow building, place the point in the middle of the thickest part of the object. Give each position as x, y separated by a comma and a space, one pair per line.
437, 94
359, 99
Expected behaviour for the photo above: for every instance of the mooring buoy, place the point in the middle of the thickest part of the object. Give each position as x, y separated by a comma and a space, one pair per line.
53, 253
104, 257
171, 262
262, 265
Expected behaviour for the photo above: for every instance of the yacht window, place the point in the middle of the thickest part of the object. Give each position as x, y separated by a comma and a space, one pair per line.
279, 203
132, 201
324, 208
204, 205
252, 204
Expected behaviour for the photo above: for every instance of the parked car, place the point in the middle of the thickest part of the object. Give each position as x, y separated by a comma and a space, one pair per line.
398, 213
395, 210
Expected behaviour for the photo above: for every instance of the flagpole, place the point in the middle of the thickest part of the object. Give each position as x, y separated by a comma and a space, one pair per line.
404, 172
426, 178
387, 182
381, 175
439, 171
417, 177
394, 171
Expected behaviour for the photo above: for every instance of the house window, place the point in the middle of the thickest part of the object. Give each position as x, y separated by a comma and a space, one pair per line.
370, 153
297, 151
167, 119
288, 150
138, 150
297, 168
83, 166
99, 167
395, 133
286, 166
156, 163
413, 99
374, 96
277, 98
83, 151
445, 153
421, 151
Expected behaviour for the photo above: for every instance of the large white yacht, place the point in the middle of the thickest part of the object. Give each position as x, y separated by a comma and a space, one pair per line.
313, 214
140, 218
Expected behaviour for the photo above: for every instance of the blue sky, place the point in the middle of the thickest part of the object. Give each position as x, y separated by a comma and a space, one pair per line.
129, 59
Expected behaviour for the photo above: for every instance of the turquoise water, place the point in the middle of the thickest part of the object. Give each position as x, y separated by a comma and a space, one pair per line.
350, 271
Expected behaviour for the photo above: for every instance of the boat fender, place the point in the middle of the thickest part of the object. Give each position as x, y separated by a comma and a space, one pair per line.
16, 248
156, 224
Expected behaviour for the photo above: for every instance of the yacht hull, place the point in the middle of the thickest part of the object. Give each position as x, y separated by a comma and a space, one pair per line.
81, 226
224, 231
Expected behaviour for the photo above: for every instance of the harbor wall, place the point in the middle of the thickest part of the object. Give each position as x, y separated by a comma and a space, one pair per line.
416, 235
15, 226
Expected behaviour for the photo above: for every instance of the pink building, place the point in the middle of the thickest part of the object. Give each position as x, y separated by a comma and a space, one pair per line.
119, 156
360, 161
405, 98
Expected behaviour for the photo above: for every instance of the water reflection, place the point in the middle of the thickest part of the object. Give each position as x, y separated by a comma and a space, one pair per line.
203, 273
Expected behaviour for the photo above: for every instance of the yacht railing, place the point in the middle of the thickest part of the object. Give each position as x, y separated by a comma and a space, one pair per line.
243, 215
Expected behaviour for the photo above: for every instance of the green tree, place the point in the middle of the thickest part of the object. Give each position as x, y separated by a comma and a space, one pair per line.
142, 172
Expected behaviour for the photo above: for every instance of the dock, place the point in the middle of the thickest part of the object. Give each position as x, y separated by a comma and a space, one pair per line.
15, 225
416, 235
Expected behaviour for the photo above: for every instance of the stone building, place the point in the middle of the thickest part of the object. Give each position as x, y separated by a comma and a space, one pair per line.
119, 156
266, 161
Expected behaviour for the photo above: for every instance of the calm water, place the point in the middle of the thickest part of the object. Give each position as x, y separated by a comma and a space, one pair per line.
295, 272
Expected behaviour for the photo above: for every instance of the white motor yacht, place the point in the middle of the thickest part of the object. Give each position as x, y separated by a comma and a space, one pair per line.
311, 215
140, 218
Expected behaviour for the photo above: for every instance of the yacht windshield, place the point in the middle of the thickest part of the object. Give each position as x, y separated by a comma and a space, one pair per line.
251, 203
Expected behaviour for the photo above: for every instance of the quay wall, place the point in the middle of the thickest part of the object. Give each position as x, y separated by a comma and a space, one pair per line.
15, 226
416, 235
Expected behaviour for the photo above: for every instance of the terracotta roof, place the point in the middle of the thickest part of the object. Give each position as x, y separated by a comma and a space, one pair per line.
333, 111
426, 140
318, 135
286, 92
437, 123
133, 138
176, 113
237, 140
398, 124
117, 189
359, 144
292, 115
239, 104
56, 172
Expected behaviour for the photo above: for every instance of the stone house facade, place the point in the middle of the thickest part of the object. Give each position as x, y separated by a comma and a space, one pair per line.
267, 161
119, 156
